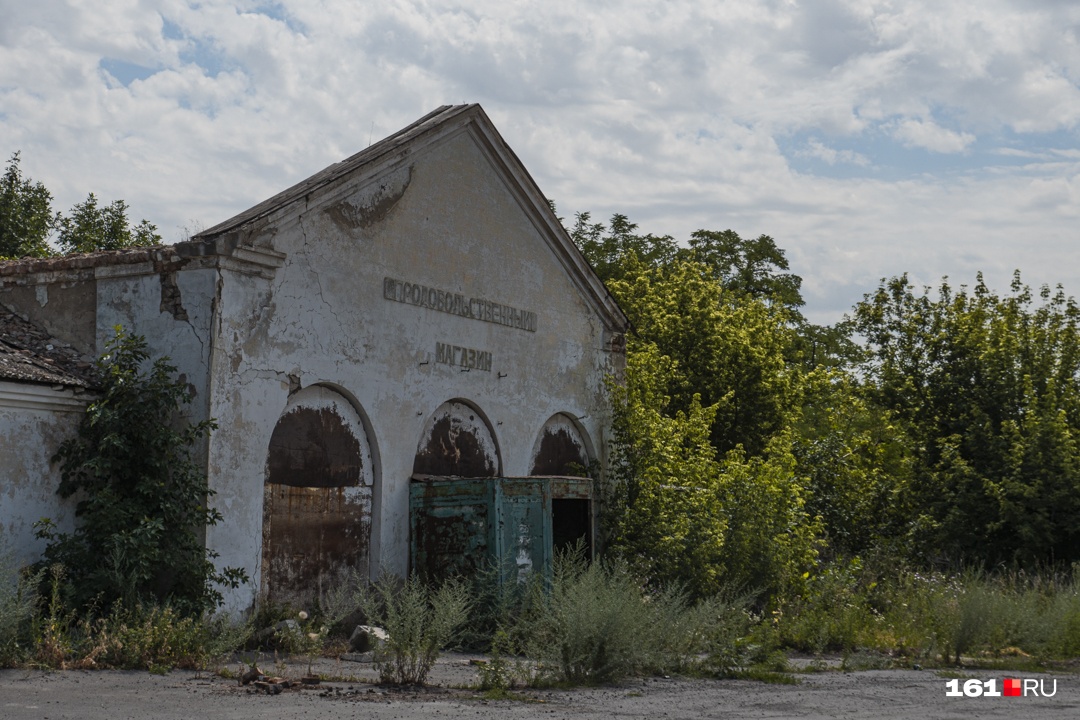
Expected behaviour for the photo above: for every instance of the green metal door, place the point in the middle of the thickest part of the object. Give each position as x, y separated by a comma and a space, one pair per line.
523, 532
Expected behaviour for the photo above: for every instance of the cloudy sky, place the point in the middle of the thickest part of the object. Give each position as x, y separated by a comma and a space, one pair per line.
869, 137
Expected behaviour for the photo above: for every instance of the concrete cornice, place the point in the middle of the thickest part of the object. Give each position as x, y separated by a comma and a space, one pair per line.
32, 396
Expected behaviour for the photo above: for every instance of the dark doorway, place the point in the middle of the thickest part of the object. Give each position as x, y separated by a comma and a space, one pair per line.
570, 523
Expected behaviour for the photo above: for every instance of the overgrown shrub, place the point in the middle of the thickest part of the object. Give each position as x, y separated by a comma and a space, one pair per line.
933, 615
597, 623
421, 621
142, 500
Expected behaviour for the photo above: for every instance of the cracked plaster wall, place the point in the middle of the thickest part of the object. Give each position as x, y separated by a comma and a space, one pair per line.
28, 438
82, 307
135, 302
323, 319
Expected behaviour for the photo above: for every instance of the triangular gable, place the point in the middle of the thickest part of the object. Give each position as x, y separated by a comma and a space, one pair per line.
396, 149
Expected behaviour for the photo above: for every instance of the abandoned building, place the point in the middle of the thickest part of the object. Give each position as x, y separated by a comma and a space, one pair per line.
405, 355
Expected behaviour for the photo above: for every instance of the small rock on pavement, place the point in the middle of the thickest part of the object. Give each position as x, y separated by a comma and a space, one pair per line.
366, 638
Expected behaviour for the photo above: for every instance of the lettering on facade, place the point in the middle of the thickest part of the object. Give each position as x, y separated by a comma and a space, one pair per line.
458, 304
465, 358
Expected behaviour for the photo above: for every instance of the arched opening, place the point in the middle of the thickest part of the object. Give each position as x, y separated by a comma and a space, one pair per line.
317, 497
561, 450
456, 442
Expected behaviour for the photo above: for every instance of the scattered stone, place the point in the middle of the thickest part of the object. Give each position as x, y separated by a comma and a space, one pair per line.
253, 673
285, 626
366, 638
367, 657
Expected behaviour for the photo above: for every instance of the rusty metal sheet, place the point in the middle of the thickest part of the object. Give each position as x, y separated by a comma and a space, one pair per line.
450, 524
316, 499
458, 525
312, 538
523, 515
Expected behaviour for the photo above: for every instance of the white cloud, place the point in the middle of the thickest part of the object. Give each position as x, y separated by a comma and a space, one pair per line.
674, 113
931, 136
818, 150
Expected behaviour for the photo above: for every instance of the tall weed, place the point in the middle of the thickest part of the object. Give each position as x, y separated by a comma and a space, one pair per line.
597, 623
18, 597
421, 621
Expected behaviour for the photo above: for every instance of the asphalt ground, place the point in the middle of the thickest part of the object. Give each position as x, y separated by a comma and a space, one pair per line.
352, 693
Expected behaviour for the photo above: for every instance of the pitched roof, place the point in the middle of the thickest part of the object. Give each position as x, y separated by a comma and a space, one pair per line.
29, 354
446, 119
386, 146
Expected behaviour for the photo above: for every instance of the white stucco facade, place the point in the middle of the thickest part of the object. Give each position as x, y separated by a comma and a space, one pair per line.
423, 281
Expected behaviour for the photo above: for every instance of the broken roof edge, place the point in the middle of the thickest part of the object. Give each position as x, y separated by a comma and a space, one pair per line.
29, 354
82, 261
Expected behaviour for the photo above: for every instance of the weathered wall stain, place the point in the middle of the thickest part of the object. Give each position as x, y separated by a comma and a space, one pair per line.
559, 450
313, 448
371, 206
457, 443
317, 498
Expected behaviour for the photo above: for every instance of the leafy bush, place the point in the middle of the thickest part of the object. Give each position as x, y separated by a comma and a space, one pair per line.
142, 499
421, 621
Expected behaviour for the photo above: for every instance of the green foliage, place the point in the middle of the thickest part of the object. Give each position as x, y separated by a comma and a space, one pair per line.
27, 221
18, 598
597, 623
26, 217
856, 458
988, 389
748, 267
141, 498
728, 349
89, 228
772, 541
421, 621
607, 248
662, 504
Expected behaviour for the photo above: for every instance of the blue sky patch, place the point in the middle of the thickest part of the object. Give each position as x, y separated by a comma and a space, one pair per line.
277, 11
876, 154
124, 71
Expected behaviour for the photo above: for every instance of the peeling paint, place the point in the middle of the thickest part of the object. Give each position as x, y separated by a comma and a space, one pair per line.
171, 301
456, 442
372, 205
316, 499
559, 450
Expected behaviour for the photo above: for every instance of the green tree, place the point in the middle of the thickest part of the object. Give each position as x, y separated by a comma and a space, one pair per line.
679, 514
729, 349
988, 389
857, 460
662, 504
26, 217
607, 248
142, 500
748, 267
90, 227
